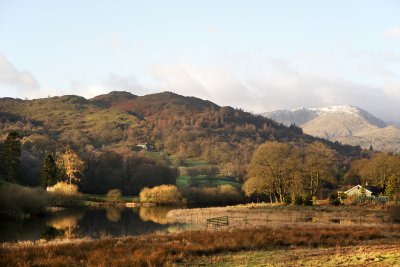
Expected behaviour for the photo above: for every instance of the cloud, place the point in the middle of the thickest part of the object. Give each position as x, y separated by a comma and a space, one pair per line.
12, 78
116, 82
213, 83
85, 89
393, 33
276, 85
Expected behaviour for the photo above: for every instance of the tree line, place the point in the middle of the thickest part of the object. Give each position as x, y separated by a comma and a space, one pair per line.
93, 171
282, 172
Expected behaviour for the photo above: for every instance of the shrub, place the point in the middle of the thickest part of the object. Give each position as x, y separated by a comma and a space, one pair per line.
20, 201
163, 194
307, 200
63, 194
298, 200
114, 196
334, 200
64, 188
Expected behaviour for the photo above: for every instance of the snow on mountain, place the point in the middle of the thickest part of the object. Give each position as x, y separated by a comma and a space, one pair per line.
344, 123
301, 116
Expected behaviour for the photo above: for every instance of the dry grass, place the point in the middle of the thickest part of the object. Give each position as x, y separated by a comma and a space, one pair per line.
382, 256
159, 250
258, 215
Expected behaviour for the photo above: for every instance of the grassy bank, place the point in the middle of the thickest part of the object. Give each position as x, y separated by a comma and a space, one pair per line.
159, 250
374, 255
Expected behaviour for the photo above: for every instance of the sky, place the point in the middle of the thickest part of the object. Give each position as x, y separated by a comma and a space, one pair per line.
255, 55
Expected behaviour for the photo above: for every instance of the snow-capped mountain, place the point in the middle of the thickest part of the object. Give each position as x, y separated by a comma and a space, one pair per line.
346, 124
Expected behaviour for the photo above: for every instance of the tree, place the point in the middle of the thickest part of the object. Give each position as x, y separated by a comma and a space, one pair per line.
378, 169
114, 196
72, 165
392, 187
317, 166
255, 186
49, 171
11, 153
277, 164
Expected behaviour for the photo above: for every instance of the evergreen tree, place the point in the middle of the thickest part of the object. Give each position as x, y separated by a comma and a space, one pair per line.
392, 187
49, 171
1, 161
11, 153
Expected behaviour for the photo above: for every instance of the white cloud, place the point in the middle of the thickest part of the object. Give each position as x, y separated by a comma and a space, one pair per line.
393, 32
212, 83
254, 85
116, 82
276, 85
11, 77
85, 89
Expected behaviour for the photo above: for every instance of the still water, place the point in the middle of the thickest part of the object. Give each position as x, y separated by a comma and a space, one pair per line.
90, 222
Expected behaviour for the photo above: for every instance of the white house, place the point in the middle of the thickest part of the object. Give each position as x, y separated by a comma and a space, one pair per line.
358, 190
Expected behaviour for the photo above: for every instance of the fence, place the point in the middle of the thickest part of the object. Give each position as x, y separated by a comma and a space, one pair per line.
218, 221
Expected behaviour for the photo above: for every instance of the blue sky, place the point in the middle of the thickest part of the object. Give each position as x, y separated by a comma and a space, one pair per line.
256, 55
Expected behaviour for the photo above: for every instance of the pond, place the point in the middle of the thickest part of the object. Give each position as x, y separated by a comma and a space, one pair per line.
90, 222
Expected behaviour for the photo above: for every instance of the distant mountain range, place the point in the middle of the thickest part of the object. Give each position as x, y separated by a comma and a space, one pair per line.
346, 124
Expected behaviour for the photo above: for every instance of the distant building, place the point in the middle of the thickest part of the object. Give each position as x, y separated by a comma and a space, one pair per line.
358, 190
362, 194
146, 146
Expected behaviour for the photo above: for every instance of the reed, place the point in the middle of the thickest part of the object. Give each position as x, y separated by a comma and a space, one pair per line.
169, 249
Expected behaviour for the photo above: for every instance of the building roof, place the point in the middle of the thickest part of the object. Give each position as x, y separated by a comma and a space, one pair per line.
356, 188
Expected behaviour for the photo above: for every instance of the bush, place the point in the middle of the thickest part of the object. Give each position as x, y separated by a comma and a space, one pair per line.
334, 200
163, 194
307, 200
298, 200
114, 196
64, 188
20, 201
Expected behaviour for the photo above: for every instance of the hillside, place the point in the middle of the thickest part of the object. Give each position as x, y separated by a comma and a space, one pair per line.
346, 124
106, 129
68, 119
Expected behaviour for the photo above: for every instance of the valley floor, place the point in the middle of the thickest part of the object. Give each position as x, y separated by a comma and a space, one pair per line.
278, 246
290, 241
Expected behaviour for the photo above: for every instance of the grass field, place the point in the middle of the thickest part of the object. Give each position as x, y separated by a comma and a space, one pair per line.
273, 215
203, 180
246, 247
375, 255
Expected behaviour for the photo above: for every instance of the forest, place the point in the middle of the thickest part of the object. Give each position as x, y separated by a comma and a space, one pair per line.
93, 143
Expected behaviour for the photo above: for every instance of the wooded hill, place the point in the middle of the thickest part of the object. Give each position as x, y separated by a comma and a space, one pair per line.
106, 129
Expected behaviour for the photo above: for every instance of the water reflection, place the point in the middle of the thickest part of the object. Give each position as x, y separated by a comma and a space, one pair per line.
154, 214
66, 221
89, 221
113, 214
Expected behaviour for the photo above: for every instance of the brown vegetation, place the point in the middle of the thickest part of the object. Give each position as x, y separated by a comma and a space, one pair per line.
158, 250
20, 201
104, 131
276, 215
163, 194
